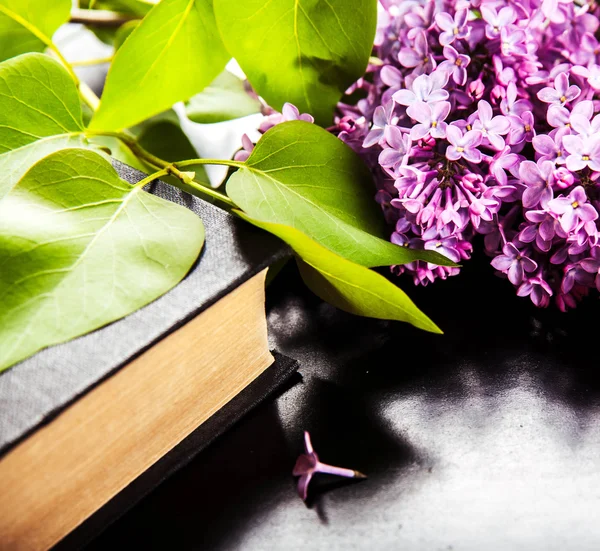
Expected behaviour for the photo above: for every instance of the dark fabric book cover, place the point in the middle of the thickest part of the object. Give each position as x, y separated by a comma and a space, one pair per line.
34, 391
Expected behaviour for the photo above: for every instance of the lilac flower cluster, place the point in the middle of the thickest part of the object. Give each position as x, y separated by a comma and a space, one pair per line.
480, 118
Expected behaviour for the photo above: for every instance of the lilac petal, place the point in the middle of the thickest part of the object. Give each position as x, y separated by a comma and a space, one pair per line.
531, 196
573, 144
404, 97
389, 157
557, 116
409, 58
496, 141
460, 75
438, 95
453, 134
525, 289
373, 137
290, 112
580, 124
506, 16
515, 273
451, 153
572, 92
578, 194
472, 138
419, 131
559, 205
587, 212
561, 82
461, 18
575, 163
529, 172
568, 282
393, 136
543, 144
439, 131
379, 116
568, 220
441, 110
472, 155
585, 108
548, 95
499, 125
422, 86
591, 265
303, 482
528, 234
446, 38
390, 76
304, 464
444, 21
528, 264
420, 111
502, 263
547, 229
485, 111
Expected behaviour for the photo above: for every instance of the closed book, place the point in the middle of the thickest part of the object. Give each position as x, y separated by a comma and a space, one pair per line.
80, 421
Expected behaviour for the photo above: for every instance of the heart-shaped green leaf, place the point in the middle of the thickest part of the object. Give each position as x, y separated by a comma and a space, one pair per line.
346, 285
224, 99
172, 54
300, 175
40, 112
302, 51
80, 248
28, 25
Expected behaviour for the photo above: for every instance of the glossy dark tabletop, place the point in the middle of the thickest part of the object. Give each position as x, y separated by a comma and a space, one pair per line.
485, 438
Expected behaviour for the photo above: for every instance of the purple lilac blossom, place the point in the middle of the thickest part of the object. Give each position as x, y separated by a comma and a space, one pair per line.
308, 464
481, 117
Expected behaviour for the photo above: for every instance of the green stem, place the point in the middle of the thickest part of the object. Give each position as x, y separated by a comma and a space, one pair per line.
88, 62
195, 187
87, 97
100, 18
226, 162
151, 178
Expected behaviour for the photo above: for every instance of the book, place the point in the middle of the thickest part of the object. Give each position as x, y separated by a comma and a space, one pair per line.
81, 420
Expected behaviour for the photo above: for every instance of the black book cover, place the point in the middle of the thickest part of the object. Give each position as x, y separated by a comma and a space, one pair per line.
34, 391
265, 385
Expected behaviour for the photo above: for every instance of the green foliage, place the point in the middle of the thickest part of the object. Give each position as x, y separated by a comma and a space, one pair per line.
82, 248
223, 99
346, 285
302, 176
28, 25
172, 54
40, 113
306, 52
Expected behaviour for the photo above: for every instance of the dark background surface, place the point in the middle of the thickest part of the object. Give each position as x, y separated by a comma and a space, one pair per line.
485, 438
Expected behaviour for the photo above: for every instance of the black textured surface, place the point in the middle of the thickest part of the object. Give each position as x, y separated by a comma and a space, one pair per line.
485, 438
37, 389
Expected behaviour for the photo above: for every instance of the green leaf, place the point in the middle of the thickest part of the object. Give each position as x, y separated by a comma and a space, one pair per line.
224, 99
40, 112
173, 54
346, 285
306, 52
80, 248
302, 176
28, 25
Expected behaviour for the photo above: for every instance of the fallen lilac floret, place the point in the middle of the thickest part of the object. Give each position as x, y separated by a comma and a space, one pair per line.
308, 464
